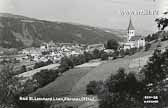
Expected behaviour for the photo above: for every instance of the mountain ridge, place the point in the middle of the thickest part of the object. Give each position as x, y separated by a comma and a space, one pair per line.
17, 31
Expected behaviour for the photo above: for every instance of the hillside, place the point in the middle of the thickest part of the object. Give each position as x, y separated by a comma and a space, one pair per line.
16, 31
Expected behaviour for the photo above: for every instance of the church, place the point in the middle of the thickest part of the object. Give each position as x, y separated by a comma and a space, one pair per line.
133, 40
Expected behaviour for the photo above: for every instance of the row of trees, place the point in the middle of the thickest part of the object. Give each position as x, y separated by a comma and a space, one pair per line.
45, 76
69, 62
162, 35
123, 90
41, 64
120, 87
152, 37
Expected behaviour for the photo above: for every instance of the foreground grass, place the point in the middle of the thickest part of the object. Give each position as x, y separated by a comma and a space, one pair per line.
73, 82
62, 85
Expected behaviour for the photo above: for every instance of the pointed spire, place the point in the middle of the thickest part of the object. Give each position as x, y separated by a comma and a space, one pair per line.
131, 27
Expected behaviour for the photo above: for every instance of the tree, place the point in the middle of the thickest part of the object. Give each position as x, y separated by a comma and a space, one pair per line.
94, 87
115, 54
41, 64
121, 91
23, 69
162, 23
66, 63
88, 56
112, 44
91, 87
7, 86
45, 76
156, 68
104, 56
96, 53
147, 46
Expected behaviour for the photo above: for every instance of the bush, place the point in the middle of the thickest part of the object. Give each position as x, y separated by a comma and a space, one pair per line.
133, 51
70, 62
23, 69
45, 76
88, 56
147, 46
115, 54
164, 38
41, 64
96, 54
119, 91
156, 69
66, 63
104, 56
91, 88
122, 53
29, 87
112, 44
77, 60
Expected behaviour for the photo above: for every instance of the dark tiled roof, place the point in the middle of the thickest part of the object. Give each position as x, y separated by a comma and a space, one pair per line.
134, 38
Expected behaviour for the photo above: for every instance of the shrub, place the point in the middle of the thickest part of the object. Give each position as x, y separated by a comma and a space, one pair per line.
133, 50
41, 64
112, 44
119, 91
164, 38
45, 76
115, 54
156, 69
91, 88
104, 56
88, 56
96, 54
23, 69
65, 64
147, 46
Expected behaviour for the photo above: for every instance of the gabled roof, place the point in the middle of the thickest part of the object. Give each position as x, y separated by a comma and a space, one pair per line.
131, 27
134, 38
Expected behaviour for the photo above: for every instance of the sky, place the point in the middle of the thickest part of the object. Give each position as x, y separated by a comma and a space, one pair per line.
101, 13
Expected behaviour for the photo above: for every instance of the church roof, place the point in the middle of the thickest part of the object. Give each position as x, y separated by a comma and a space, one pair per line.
131, 27
135, 38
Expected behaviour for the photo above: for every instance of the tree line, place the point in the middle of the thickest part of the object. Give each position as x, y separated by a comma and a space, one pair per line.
125, 90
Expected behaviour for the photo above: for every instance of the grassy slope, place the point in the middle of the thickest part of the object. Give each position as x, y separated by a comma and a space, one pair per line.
74, 82
62, 86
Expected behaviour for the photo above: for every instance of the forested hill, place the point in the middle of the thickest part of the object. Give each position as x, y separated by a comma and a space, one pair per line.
17, 31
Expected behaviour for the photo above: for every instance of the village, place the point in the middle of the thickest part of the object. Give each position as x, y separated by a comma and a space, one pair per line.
77, 66
54, 52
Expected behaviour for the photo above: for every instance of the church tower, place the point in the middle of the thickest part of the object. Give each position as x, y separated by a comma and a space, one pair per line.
131, 30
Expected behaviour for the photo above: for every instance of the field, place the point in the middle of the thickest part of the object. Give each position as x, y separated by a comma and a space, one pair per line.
62, 85
73, 82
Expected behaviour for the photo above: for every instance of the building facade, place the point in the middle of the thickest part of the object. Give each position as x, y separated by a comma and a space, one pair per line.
133, 40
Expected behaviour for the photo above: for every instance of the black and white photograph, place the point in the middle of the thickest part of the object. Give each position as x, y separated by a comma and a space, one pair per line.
83, 54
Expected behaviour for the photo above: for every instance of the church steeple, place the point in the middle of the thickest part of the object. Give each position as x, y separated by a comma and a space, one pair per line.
131, 27
131, 30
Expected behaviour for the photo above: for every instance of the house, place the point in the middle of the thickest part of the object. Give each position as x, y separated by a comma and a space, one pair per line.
92, 47
133, 40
